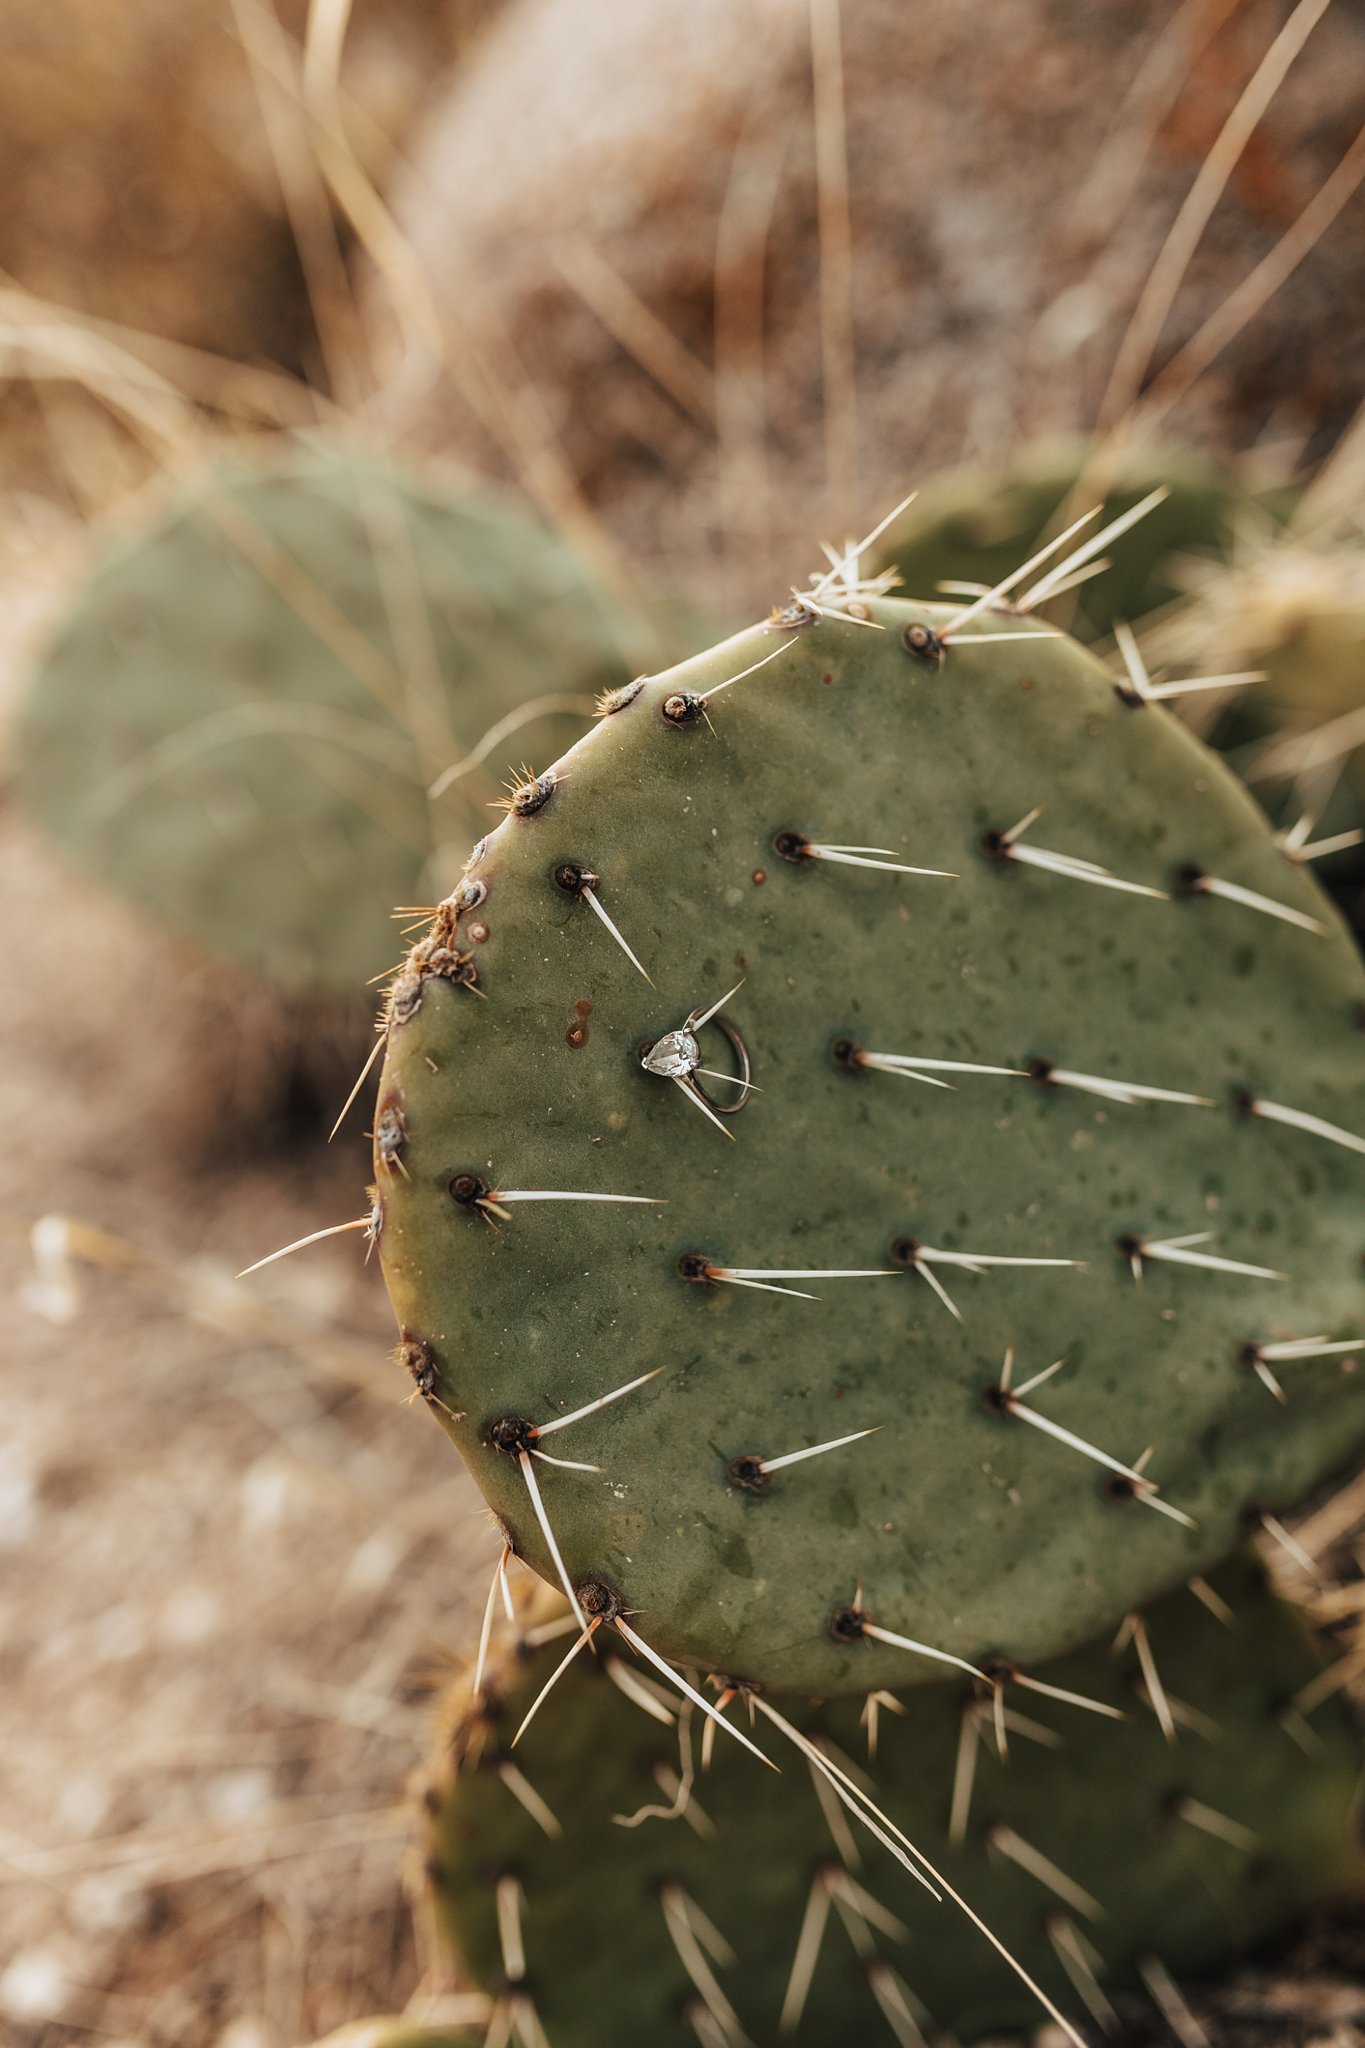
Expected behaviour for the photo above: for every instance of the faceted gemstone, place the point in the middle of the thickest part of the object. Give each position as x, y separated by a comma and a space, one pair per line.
675, 1056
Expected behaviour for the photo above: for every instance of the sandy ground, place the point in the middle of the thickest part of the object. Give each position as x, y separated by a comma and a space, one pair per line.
233, 1562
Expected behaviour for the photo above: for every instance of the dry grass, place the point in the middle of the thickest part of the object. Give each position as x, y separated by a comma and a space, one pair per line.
236, 1561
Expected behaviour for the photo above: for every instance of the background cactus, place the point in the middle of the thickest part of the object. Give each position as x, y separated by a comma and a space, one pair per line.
1045, 1204
1290, 604
244, 712
1204, 1843
979, 524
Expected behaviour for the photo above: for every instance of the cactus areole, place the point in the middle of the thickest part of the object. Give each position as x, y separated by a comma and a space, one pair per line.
1030, 1045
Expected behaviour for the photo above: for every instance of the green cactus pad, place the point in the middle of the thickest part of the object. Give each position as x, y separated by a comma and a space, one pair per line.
1188, 1852
980, 524
241, 714
1296, 614
514, 1065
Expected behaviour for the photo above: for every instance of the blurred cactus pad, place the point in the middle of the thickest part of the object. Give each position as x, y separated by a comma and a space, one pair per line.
1291, 606
597, 1876
248, 702
1060, 1059
978, 524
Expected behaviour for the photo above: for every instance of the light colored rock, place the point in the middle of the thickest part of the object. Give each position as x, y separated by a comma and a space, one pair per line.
1012, 169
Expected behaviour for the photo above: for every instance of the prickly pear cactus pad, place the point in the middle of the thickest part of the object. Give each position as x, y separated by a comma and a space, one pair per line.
1079, 1093
249, 704
978, 523
554, 1889
1293, 615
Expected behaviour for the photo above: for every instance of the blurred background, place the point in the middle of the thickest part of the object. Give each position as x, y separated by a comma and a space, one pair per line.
380, 379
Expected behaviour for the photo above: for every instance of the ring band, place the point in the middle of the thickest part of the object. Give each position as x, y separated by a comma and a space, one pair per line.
742, 1081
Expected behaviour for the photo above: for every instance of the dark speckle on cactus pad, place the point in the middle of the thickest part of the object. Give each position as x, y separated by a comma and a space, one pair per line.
511, 1434
683, 708
920, 638
747, 1471
596, 1597
847, 1624
577, 1033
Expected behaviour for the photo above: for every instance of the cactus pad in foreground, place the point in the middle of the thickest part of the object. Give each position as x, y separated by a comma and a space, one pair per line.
1108, 1179
1200, 1847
